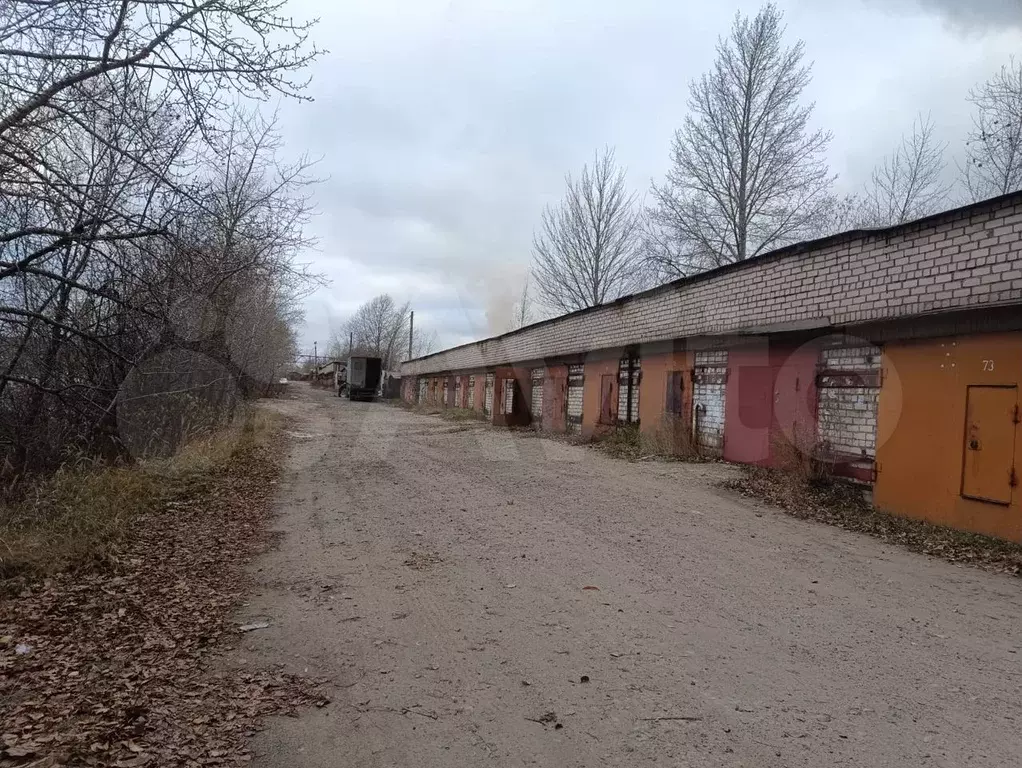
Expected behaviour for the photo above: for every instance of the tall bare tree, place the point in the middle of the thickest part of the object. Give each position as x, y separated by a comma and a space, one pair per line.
748, 173
908, 184
993, 164
521, 313
586, 250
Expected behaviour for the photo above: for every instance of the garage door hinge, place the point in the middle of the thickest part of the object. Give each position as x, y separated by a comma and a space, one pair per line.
1013, 479
1015, 416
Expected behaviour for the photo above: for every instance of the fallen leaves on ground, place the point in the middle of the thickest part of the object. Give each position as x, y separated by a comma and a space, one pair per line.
844, 505
124, 666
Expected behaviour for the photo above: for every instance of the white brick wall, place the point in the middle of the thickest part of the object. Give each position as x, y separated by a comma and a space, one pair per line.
847, 416
575, 392
962, 259
623, 414
708, 400
488, 395
507, 395
537, 394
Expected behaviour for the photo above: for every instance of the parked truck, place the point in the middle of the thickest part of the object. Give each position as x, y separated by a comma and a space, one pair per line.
363, 377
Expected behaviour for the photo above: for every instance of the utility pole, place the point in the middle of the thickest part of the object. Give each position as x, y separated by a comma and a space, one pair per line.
411, 333
315, 360
351, 342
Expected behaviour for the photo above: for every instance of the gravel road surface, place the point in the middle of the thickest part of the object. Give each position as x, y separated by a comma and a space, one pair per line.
479, 598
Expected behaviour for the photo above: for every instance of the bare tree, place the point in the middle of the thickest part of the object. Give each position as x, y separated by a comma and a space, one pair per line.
748, 175
147, 230
424, 343
993, 164
522, 314
586, 251
379, 328
908, 184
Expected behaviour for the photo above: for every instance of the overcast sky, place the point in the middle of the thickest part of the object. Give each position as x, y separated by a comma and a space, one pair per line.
444, 126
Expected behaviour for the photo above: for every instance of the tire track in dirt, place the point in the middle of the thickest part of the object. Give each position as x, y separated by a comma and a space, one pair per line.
795, 644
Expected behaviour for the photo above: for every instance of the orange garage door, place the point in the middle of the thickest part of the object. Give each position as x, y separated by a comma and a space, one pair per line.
987, 471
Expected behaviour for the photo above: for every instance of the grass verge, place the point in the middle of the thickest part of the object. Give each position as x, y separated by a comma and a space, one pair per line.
843, 504
76, 517
120, 665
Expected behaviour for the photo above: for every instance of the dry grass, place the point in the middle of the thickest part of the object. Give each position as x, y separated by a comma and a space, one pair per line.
121, 665
76, 516
461, 414
450, 414
845, 505
797, 455
670, 438
622, 442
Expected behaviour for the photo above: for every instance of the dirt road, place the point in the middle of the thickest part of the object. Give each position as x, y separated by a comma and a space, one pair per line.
441, 576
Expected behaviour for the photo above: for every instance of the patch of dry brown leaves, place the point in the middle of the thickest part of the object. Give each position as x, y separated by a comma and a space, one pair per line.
123, 664
844, 505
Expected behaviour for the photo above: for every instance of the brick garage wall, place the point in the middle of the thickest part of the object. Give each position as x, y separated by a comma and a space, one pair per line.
628, 414
537, 377
847, 416
708, 398
968, 258
575, 397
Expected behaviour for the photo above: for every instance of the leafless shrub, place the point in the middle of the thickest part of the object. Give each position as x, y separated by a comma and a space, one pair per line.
140, 211
672, 437
621, 442
797, 458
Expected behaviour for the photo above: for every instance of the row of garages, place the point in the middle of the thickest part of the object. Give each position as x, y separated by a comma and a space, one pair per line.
934, 424
921, 403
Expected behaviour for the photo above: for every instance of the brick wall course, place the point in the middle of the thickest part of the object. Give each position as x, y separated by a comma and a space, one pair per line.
845, 280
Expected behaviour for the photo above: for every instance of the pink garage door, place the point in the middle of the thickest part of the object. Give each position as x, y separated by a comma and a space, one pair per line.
771, 398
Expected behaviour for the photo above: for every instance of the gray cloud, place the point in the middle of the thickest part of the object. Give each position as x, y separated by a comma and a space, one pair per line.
964, 16
978, 13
